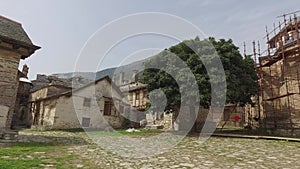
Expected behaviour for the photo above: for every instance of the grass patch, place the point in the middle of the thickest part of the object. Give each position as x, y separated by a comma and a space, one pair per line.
20, 164
34, 155
23, 155
21, 148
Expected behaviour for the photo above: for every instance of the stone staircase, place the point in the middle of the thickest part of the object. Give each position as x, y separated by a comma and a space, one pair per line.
9, 136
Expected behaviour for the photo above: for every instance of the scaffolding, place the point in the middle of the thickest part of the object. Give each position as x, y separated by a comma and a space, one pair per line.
278, 73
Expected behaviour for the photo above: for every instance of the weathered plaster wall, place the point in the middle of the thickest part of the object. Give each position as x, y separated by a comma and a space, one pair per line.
66, 112
65, 115
39, 94
98, 93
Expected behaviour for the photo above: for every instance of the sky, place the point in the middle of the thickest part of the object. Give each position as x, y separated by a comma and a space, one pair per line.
63, 28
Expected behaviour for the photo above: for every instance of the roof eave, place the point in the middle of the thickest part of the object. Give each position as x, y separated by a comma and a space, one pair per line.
33, 48
30, 47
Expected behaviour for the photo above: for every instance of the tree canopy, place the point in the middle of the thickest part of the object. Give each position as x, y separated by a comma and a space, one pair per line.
241, 79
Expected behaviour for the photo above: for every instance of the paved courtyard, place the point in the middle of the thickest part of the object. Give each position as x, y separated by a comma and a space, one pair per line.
77, 151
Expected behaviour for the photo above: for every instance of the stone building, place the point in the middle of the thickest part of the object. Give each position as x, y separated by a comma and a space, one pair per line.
135, 94
14, 45
48, 91
22, 117
279, 80
96, 105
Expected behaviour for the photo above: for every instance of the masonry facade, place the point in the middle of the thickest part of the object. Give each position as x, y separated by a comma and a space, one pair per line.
14, 45
136, 95
279, 81
21, 116
97, 105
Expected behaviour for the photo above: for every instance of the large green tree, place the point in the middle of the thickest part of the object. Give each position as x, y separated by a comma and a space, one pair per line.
240, 72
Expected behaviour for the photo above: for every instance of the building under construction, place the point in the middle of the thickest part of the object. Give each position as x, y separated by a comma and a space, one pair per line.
279, 78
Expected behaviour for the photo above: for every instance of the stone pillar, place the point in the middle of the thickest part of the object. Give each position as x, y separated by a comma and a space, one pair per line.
9, 63
133, 99
121, 78
114, 79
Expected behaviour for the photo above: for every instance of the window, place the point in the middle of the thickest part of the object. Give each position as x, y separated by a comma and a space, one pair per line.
107, 108
87, 102
86, 122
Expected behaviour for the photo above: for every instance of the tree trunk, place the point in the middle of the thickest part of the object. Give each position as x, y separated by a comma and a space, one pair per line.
175, 114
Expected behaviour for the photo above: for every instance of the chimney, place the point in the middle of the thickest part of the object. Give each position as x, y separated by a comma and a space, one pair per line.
114, 78
134, 76
121, 77
25, 70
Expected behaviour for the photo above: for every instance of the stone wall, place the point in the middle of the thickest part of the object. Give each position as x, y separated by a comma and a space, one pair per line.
214, 117
65, 116
39, 94
164, 119
9, 63
230, 112
98, 94
21, 114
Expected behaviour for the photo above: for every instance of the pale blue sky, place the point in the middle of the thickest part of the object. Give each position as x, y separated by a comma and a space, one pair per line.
62, 27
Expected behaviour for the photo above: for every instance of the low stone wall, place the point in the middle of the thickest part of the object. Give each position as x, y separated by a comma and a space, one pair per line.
283, 132
8, 136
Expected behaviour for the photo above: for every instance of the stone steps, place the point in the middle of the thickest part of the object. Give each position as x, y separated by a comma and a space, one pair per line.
9, 136
153, 127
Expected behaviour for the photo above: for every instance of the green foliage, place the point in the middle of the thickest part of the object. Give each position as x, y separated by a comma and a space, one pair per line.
240, 72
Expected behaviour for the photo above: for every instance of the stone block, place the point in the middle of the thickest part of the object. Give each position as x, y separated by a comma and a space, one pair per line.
3, 115
154, 127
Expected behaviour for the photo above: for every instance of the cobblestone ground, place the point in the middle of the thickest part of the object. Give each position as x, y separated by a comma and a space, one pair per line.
189, 153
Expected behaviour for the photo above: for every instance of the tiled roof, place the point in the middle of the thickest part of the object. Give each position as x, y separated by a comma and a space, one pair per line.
12, 30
